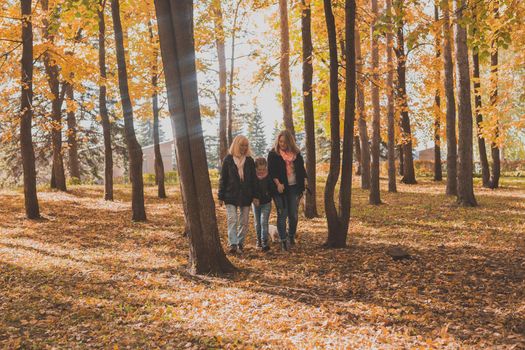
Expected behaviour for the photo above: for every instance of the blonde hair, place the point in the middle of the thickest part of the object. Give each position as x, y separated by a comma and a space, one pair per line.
234, 148
290, 141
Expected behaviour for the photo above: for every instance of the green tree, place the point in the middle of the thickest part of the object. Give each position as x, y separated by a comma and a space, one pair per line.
256, 133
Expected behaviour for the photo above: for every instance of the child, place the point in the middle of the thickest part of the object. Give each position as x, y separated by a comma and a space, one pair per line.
236, 189
263, 205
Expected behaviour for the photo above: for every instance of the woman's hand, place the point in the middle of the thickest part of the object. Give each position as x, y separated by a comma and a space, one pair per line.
280, 188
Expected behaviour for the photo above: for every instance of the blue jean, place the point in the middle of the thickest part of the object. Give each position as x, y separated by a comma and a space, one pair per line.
261, 215
237, 218
287, 209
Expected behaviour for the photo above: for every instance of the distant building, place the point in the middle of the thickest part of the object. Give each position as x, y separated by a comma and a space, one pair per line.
167, 150
426, 154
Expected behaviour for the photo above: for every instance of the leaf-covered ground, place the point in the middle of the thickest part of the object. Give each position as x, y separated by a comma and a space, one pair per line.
87, 277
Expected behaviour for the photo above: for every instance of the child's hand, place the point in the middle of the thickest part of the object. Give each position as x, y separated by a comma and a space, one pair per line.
256, 202
280, 188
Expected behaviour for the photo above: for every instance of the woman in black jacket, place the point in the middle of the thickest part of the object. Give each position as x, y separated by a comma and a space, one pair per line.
237, 190
286, 169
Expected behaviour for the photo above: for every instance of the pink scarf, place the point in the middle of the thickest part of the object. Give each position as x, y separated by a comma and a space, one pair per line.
289, 158
239, 161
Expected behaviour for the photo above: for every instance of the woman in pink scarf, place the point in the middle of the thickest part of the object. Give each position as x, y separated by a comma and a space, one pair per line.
286, 169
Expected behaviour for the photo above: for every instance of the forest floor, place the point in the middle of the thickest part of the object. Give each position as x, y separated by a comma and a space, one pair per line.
87, 277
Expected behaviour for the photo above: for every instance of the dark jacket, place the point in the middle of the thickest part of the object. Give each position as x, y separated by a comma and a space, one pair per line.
277, 170
231, 189
264, 189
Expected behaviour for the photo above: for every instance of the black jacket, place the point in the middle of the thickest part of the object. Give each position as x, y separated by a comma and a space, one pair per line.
264, 189
277, 170
231, 189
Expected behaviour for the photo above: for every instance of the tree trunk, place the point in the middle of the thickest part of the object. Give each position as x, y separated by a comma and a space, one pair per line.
74, 164
221, 55
232, 66
438, 172
392, 186
409, 174
496, 161
106, 126
485, 170
134, 150
26, 110
338, 221
357, 147
310, 210
401, 160
175, 21
451, 103
159, 164
58, 178
284, 65
375, 196
363, 132
465, 166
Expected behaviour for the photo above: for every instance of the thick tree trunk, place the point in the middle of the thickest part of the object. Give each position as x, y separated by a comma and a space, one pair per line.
106, 126
284, 65
134, 149
485, 170
310, 209
392, 186
159, 164
175, 21
338, 221
409, 174
465, 164
74, 164
221, 55
58, 177
438, 172
375, 196
496, 161
26, 110
451, 102
363, 132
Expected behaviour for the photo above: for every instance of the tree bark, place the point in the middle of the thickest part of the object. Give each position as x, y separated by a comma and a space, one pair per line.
58, 177
159, 164
363, 132
465, 166
496, 161
375, 195
106, 126
451, 103
401, 160
221, 55
284, 65
438, 172
338, 221
409, 174
392, 186
357, 147
485, 170
232, 66
308, 105
134, 149
175, 21
26, 110
74, 164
